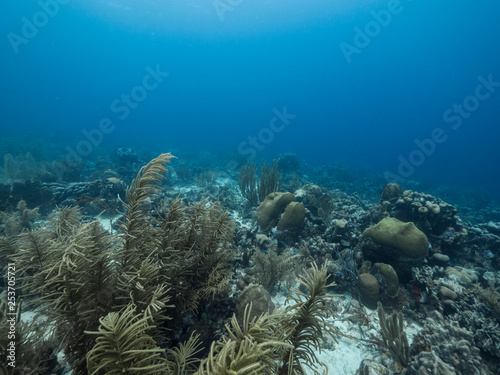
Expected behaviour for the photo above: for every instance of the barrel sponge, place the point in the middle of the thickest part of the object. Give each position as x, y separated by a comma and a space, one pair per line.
406, 238
271, 208
293, 217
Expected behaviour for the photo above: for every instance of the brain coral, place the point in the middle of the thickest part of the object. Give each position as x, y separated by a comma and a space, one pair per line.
406, 238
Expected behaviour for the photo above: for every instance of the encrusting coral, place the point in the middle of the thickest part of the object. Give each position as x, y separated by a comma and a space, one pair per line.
451, 349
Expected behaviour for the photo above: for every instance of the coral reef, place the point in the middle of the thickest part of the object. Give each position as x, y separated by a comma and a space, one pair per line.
451, 350
256, 296
159, 268
289, 162
272, 268
276, 343
436, 218
402, 245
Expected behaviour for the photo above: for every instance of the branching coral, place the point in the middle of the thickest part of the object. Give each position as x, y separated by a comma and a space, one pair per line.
270, 182
304, 325
248, 349
279, 343
273, 268
394, 335
165, 255
136, 226
247, 182
123, 347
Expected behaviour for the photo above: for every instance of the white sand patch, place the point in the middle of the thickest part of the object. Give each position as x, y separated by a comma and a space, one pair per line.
236, 217
106, 224
225, 181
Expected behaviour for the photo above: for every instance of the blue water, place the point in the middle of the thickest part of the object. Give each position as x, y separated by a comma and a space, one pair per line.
361, 83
